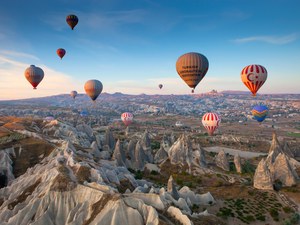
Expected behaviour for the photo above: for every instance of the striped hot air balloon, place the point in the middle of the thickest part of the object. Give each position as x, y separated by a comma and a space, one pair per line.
192, 67
127, 118
61, 52
260, 112
34, 75
93, 88
254, 76
72, 20
211, 121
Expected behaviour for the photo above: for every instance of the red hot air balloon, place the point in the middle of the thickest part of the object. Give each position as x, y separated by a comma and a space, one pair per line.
160, 86
127, 118
254, 76
211, 121
34, 75
72, 20
61, 52
73, 94
93, 88
192, 67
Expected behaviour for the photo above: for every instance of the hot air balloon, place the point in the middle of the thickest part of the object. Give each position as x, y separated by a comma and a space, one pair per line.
260, 112
192, 67
254, 76
34, 75
84, 113
211, 121
93, 88
160, 86
127, 118
61, 52
72, 20
73, 94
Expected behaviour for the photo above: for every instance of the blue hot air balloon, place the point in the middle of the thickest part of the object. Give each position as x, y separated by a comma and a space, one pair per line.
260, 112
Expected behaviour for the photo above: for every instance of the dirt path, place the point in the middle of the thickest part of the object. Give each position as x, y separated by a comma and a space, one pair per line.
243, 154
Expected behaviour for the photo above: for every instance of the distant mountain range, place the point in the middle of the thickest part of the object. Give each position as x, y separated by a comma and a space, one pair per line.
107, 96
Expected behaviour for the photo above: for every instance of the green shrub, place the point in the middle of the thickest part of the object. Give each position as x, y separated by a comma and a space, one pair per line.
287, 209
274, 213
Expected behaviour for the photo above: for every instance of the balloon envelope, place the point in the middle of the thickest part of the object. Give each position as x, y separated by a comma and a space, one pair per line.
73, 94
254, 76
127, 118
84, 113
160, 86
61, 52
93, 88
34, 75
260, 112
72, 20
192, 67
211, 121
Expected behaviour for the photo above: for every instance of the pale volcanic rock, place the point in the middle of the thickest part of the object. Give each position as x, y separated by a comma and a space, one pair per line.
6, 169
181, 152
166, 142
119, 154
262, 178
176, 213
161, 155
199, 156
172, 188
196, 199
140, 157
222, 161
283, 171
274, 150
109, 139
94, 149
84, 128
287, 150
237, 163
145, 142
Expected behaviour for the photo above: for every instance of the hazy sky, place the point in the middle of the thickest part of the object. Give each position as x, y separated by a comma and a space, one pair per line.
132, 46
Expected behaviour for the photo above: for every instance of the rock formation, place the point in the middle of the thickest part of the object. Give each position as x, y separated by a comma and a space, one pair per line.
161, 155
278, 165
140, 158
109, 139
222, 161
172, 188
181, 152
262, 177
119, 154
146, 145
237, 163
283, 171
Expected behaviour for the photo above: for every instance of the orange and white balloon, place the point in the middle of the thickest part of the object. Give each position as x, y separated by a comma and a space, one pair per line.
127, 118
93, 88
34, 75
254, 76
211, 121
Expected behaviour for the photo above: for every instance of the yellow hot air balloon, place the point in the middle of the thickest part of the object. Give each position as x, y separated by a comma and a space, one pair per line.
192, 67
93, 88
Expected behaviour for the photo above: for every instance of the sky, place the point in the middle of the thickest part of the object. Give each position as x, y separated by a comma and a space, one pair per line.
132, 46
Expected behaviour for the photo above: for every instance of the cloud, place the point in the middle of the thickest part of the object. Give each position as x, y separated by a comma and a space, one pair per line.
278, 40
18, 54
13, 84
